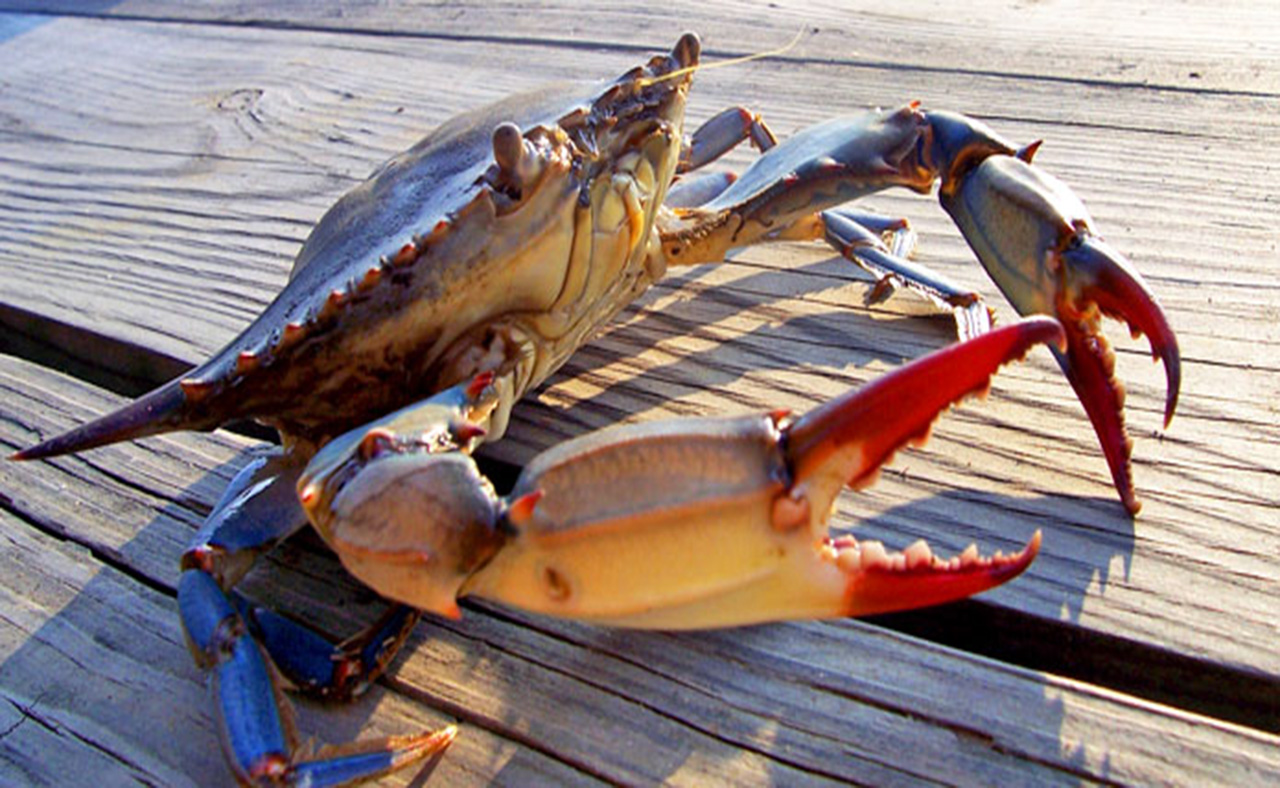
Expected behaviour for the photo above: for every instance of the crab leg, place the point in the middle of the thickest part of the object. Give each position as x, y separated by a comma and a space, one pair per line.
227, 637
697, 189
1029, 230
849, 233
678, 524
713, 139
782, 197
723, 133
1037, 241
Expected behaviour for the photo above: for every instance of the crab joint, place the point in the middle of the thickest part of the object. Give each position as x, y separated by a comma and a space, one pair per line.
375, 442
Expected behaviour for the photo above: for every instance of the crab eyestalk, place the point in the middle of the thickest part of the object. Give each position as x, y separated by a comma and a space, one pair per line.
1037, 242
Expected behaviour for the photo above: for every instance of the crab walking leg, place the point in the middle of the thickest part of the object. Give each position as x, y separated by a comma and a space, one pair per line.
783, 195
895, 231
848, 233
258, 510
713, 139
721, 522
314, 665
227, 638
724, 132
698, 189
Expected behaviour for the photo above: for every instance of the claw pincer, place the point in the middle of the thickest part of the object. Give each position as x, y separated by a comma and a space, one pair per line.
1037, 242
678, 524
1027, 228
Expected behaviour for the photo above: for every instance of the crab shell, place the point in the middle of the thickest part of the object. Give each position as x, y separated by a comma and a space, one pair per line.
497, 243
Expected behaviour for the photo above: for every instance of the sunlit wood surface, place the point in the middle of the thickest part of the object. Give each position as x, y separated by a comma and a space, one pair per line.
160, 163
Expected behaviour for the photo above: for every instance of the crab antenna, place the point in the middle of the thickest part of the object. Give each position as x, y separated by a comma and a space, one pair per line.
733, 61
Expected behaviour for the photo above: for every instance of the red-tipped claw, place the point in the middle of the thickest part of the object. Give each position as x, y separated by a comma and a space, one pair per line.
847, 440
1037, 241
1098, 281
720, 522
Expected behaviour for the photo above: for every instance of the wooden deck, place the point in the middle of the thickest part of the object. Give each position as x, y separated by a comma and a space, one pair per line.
160, 163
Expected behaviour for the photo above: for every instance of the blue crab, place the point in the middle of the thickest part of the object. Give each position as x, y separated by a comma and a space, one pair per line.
467, 269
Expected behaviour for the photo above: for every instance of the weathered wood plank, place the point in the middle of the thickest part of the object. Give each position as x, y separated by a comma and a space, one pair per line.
69, 201
1144, 43
97, 679
97, 687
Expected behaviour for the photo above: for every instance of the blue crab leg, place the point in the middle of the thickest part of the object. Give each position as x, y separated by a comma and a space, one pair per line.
1030, 232
694, 190
256, 511
713, 139
895, 231
781, 197
227, 638
723, 133
847, 231
314, 665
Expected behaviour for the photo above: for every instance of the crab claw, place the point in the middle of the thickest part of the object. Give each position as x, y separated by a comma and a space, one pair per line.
1036, 240
697, 523
846, 441
1104, 284
402, 503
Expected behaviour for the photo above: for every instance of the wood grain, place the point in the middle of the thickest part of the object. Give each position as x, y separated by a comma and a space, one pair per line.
166, 215
160, 164
1144, 44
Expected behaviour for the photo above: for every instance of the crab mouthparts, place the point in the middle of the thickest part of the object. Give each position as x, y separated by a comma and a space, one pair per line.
883, 581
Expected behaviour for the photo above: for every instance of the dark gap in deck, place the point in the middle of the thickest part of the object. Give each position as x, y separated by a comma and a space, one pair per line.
1060, 648
113, 364
1134, 668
